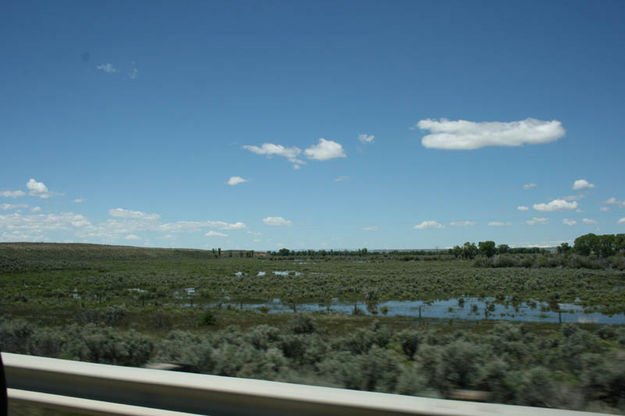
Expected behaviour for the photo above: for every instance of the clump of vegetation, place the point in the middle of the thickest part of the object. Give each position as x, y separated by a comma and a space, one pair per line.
208, 318
568, 367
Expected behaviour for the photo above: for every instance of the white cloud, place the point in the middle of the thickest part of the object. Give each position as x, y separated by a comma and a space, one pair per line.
132, 237
462, 223
135, 223
573, 197
235, 180
109, 68
604, 209
215, 234
569, 222
582, 184
614, 201
537, 220
556, 205
370, 228
277, 222
35, 209
529, 186
621, 221
79, 200
7, 207
196, 226
34, 226
325, 150
467, 135
499, 224
589, 221
12, 194
270, 149
522, 208
428, 224
38, 189
133, 74
341, 178
137, 215
366, 138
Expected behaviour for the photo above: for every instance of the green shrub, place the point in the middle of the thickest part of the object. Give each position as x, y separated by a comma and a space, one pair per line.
208, 318
302, 324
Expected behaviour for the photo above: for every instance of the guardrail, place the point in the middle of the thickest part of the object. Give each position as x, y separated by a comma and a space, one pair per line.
99, 389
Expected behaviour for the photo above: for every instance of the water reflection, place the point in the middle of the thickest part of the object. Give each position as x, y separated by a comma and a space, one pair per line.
467, 308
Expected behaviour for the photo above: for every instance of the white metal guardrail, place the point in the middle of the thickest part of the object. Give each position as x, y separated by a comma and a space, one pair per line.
99, 389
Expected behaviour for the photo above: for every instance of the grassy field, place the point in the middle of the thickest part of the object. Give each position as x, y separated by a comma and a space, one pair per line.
130, 306
67, 278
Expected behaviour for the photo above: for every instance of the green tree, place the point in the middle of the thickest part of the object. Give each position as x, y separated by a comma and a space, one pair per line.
586, 244
564, 248
469, 250
487, 248
503, 248
456, 251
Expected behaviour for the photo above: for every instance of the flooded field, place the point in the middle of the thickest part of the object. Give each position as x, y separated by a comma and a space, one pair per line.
468, 308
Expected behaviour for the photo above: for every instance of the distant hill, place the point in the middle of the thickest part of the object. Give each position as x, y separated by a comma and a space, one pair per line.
16, 256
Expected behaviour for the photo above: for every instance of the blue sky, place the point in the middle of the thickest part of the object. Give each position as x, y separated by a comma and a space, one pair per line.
263, 125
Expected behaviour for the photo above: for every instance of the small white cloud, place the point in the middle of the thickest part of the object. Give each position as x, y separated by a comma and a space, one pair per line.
108, 68
573, 197
12, 194
133, 74
235, 180
582, 184
621, 221
468, 135
7, 207
341, 178
270, 149
370, 228
529, 186
277, 222
589, 221
38, 189
366, 138
196, 226
79, 200
462, 223
427, 225
556, 205
132, 237
499, 224
215, 234
604, 209
325, 150
137, 215
614, 201
569, 222
535, 221
522, 208
35, 209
